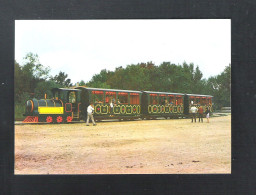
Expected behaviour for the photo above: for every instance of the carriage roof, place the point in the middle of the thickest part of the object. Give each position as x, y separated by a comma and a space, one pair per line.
64, 89
115, 90
167, 93
199, 95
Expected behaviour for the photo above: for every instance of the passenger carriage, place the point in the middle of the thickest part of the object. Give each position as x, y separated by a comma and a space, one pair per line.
200, 100
162, 104
126, 103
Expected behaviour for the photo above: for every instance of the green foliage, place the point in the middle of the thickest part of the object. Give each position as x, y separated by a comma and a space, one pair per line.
28, 76
19, 82
147, 76
99, 85
220, 87
100, 80
19, 110
82, 83
19, 106
133, 77
185, 78
62, 79
45, 87
33, 68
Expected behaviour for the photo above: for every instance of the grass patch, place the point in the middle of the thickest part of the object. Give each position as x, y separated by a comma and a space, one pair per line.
19, 110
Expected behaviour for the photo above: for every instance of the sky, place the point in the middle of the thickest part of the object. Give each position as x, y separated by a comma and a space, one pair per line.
82, 48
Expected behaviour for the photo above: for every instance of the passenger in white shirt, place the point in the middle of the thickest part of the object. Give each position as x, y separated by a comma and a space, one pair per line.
90, 110
193, 110
111, 108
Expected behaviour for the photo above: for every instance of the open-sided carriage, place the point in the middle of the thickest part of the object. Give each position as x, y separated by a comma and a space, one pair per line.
200, 100
162, 104
111, 103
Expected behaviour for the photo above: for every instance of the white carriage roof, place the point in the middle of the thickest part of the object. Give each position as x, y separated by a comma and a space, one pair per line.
115, 90
157, 92
66, 89
199, 95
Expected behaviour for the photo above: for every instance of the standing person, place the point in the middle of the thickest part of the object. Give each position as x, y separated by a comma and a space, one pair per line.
207, 112
90, 110
193, 110
201, 112
111, 108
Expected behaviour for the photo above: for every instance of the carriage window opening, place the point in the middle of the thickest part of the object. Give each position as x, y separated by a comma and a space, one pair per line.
134, 98
179, 100
98, 97
192, 100
162, 99
63, 95
78, 96
122, 98
166, 101
56, 95
203, 101
153, 99
110, 96
72, 97
172, 100
198, 100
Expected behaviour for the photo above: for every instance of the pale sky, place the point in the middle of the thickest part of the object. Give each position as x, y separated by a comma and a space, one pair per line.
82, 48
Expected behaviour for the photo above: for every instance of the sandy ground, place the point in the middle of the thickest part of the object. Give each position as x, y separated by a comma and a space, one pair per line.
130, 147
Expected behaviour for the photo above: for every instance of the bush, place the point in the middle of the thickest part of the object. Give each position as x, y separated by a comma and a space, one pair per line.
19, 110
20, 105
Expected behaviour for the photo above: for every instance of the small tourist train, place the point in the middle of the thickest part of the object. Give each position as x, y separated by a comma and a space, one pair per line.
70, 104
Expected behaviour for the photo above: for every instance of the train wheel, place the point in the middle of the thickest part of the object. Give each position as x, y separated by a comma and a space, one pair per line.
59, 119
49, 119
69, 119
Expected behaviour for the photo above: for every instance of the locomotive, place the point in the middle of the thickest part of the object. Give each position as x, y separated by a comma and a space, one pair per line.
69, 105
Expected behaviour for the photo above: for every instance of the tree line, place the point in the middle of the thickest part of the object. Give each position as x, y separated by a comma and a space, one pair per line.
167, 77
32, 79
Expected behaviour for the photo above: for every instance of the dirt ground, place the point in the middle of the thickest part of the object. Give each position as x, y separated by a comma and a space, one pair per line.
129, 147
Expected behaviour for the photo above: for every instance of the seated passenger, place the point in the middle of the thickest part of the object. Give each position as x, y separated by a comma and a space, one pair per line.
107, 99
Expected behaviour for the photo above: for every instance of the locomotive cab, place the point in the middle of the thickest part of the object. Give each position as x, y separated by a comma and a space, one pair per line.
71, 102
